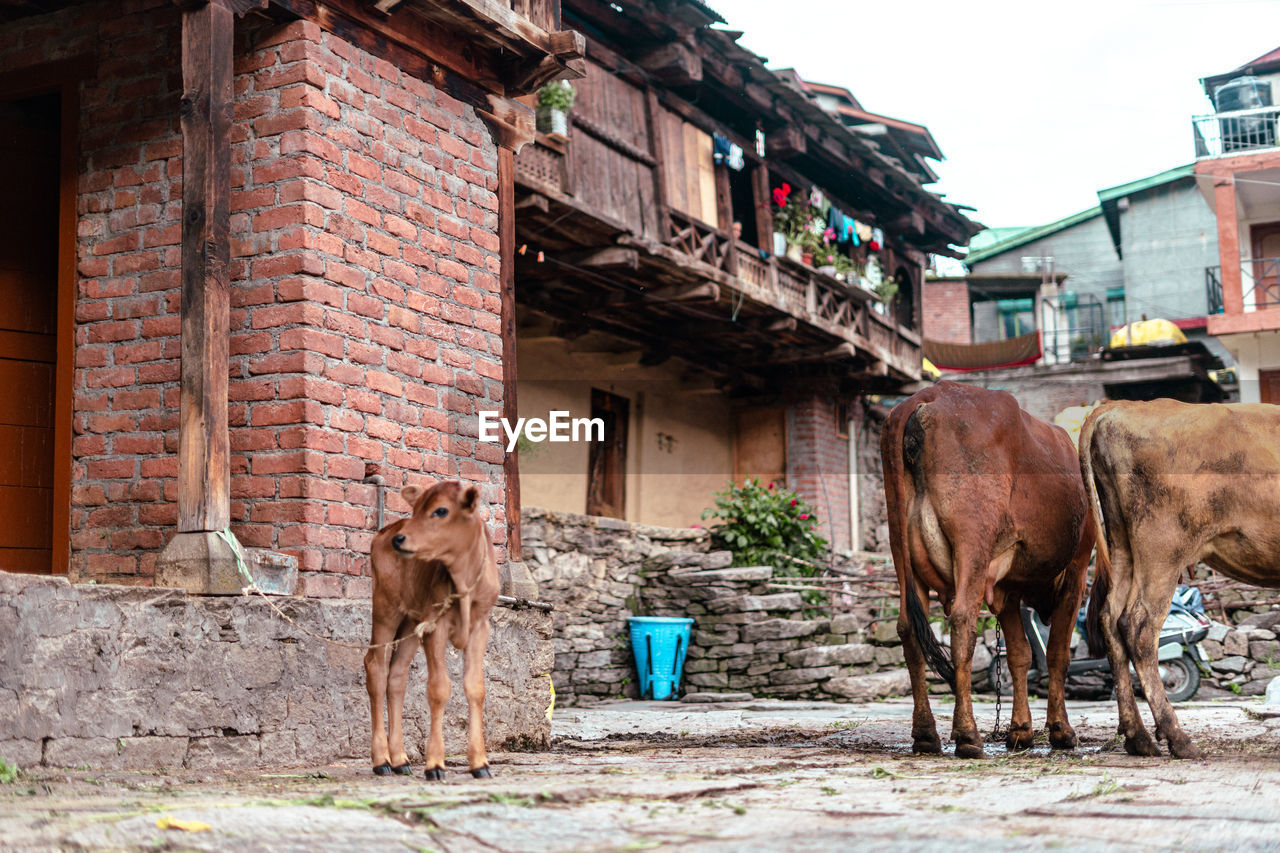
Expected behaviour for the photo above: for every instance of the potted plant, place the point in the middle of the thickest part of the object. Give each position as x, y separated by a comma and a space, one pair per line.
798, 223
554, 102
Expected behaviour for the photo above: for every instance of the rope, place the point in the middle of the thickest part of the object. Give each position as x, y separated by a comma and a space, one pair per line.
423, 628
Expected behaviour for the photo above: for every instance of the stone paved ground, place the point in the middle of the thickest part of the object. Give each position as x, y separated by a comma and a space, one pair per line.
769, 775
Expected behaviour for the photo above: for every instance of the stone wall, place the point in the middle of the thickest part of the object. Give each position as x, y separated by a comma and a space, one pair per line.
1245, 658
365, 319
141, 678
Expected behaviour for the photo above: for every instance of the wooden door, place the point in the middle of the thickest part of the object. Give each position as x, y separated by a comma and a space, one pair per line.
760, 446
1266, 264
607, 461
30, 144
1269, 380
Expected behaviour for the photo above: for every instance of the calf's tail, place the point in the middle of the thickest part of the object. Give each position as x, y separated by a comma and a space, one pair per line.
1102, 571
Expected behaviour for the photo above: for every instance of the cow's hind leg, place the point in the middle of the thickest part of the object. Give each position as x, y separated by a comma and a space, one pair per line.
473, 685
1141, 630
1021, 734
964, 634
437, 697
924, 731
397, 681
1058, 653
1137, 741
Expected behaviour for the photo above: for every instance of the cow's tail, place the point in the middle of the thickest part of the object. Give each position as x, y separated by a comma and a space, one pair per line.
934, 652
1102, 571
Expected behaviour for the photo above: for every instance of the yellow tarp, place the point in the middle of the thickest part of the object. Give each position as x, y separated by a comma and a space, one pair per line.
1071, 419
931, 371
1147, 333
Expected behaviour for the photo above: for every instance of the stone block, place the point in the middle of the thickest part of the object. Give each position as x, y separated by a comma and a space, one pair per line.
694, 666
778, 646
81, 751
778, 629
1236, 643
21, 752
740, 682
889, 656
852, 653
1213, 649
864, 688
846, 623
783, 690
1269, 621
804, 674
1232, 663
709, 679
148, 752
201, 564
753, 573
703, 698
1218, 632
1264, 650
885, 632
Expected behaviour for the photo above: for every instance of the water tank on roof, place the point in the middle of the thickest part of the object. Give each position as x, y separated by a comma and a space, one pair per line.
1245, 93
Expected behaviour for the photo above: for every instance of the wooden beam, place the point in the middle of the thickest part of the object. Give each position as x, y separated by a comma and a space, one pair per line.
507, 286
763, 198
724, 212
786, 142
204, 459
612, 256
674, 63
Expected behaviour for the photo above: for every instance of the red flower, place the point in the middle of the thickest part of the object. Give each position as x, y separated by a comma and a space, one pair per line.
804, 516
771, 485
873, 246
780, 194
794, 501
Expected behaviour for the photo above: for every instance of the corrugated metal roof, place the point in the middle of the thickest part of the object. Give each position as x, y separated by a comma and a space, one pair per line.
1027, 235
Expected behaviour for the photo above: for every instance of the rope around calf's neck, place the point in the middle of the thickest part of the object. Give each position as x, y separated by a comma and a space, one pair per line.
423, 628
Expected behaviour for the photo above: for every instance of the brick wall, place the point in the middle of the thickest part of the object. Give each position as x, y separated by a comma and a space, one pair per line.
818, 465
365, 308
946, 312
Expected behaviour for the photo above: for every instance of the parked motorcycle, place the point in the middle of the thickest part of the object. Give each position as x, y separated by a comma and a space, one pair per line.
1179, 651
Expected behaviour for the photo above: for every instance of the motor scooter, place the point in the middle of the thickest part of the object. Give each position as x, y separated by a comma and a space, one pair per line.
1179, 652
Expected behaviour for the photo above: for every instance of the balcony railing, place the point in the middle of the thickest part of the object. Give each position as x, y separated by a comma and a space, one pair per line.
1239, 132
1259, 285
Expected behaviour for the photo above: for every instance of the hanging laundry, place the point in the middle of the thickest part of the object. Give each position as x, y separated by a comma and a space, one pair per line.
726, 153
816, 198
863, 231
876, 241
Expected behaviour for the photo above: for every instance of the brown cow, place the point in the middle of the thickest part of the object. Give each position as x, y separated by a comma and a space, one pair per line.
433, 572
985, 502
1173, 484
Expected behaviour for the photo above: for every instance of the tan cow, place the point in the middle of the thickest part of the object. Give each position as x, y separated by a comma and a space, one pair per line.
1173, 484
985, 503
433, 572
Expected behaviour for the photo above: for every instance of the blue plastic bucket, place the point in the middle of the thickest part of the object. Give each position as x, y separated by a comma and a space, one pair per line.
659, 644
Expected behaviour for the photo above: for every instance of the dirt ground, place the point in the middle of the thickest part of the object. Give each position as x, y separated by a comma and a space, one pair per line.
791, 776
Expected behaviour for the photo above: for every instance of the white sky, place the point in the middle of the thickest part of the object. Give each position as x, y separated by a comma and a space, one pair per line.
1035, 105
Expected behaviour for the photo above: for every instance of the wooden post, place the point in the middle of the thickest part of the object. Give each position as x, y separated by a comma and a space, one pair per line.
724, 212
197, 559
653, 114
204, 466
764, 213
510, 403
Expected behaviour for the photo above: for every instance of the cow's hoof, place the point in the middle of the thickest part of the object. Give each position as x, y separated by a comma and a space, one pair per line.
1019, 738
482, 772
403, 769
1062, 736
383, 769
1182, 747
435, 774
926, 744
1141, 744
968, 744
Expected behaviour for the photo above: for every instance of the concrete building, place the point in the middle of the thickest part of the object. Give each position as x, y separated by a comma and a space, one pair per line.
1238, 167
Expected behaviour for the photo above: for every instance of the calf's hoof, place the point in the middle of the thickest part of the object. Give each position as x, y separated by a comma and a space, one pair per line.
1062, 736
1180, 746
403, 769
482, 772
1141, 744
1020, 737
383, 769
435, 774
928, 744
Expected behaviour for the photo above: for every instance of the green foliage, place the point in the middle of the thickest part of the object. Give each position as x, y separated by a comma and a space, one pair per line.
557, 95
887, 289
8, 772
768, 526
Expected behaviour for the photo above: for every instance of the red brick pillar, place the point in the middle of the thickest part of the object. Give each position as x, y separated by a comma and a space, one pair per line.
818, 464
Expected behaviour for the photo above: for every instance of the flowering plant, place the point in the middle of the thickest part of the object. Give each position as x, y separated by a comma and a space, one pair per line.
768, 526
797, 220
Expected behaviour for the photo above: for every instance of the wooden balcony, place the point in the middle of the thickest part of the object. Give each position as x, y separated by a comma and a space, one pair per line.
589, 203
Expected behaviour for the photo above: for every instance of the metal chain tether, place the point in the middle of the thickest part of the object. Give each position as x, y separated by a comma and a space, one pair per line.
995, 731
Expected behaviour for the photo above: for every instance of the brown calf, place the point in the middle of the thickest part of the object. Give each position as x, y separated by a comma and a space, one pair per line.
433, 572
1174, 484
984, 502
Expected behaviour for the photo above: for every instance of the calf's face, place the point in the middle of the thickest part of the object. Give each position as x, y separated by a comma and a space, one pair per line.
444, 523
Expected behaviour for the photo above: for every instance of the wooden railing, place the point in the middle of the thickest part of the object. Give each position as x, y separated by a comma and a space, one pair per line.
699, 240
544, 165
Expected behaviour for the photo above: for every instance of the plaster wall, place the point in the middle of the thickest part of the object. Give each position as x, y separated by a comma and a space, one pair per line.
1253, 352
1084, 252
679, 436
1168, 237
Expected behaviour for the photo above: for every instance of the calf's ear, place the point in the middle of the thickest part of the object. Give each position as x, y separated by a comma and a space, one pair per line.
411, 494
470, 498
